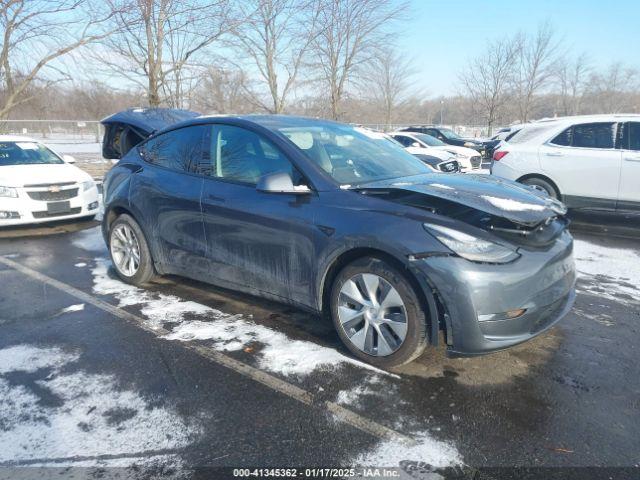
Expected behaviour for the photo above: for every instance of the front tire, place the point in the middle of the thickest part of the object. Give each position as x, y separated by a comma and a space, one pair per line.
130, 252
377, 313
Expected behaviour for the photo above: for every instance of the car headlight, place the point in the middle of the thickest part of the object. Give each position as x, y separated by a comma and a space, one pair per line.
471, 247
8, 192
88, 185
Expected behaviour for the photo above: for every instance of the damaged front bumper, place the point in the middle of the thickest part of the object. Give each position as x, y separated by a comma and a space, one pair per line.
492, 307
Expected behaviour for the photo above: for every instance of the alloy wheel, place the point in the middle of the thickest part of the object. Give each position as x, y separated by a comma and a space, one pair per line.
372, 314
125, 250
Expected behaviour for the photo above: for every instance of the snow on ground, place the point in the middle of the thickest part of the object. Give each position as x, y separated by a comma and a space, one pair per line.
90, 240
279, 353
78, 414
72, 308
426, 450
608, 271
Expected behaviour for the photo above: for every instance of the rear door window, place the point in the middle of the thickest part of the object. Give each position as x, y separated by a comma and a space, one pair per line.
179, 149
588, 135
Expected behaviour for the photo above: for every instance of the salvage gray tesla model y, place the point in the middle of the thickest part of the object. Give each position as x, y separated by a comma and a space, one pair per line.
319, 215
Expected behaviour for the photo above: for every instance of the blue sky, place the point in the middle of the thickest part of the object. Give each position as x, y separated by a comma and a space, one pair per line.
440, 35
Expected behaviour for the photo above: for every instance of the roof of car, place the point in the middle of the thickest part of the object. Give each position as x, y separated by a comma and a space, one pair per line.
273, 121
16, 138
603, 117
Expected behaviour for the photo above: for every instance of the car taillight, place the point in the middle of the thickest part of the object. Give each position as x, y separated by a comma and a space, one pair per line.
498, 155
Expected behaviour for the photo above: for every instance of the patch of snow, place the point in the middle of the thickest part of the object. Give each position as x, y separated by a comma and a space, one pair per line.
72, 308
389, 453
279, 354
228, 332
352, 395
26, 358
90, 240
80, 265
607, 270
92, 415
442, 187
511, 205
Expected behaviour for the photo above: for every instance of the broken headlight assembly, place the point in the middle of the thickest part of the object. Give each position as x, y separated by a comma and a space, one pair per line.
471, 247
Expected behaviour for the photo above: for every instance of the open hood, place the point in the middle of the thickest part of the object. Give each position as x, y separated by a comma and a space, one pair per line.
124, 130
501, 198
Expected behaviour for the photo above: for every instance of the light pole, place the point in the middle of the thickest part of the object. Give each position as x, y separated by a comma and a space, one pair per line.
441, 110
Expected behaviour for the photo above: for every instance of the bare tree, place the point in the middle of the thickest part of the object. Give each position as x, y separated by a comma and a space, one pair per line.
351, 31
223, 90
36, 34
572, 76
157, 40
488, 78
274, 37
609, 91
536, 60
388, 78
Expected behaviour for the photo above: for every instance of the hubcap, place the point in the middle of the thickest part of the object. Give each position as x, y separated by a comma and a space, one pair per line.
125, 250
372, 314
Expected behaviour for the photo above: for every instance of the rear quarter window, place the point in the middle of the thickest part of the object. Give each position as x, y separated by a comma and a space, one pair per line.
531, 131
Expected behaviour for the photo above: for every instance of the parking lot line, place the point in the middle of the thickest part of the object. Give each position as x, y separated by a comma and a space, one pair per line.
341, 413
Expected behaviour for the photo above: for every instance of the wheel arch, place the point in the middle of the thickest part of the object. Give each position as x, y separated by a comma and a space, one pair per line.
118, 210
541, 177
423, 288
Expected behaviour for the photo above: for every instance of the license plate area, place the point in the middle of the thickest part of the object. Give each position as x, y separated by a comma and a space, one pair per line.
58, 207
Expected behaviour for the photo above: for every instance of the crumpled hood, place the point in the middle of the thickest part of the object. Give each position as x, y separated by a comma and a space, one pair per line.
499, 197
21, 175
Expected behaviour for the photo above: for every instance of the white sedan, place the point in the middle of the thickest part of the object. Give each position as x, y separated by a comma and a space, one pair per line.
421, 143
37, 185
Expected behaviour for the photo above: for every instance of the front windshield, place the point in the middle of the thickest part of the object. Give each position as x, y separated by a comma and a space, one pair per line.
450, 134
26, 153
429, 140
352, 157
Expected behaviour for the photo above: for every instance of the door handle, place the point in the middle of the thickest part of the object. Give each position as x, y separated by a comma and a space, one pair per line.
214, 198
632, 159
554, 154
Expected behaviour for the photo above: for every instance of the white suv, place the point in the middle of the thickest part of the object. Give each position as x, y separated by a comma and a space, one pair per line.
586, 161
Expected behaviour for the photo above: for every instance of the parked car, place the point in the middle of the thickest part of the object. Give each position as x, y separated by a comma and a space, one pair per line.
440, 162
318, 215
38, 185
437, 164
447, 136
502, 135
586, 161
421, 143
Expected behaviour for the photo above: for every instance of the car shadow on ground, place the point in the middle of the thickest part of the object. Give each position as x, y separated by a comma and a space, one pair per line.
43, 230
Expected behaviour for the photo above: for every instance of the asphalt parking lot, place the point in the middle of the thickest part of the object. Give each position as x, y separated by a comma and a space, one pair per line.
96, 373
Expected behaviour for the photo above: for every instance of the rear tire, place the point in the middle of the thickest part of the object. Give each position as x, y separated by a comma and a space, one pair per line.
541, 184
129, 251
372, 329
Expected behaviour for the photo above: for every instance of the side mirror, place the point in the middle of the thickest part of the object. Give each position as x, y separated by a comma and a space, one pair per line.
280, 182
416, 144
68, 159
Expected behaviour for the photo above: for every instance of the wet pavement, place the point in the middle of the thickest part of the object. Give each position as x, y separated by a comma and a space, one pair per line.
184, 375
